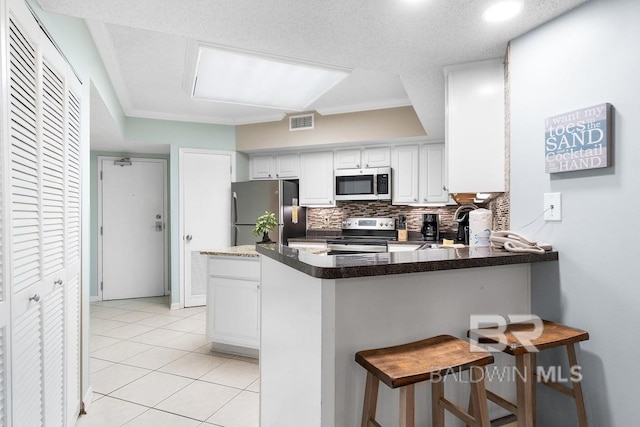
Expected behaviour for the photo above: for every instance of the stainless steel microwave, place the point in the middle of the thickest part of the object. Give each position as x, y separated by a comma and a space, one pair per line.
363, 184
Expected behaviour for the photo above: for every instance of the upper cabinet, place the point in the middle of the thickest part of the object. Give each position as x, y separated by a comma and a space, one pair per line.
404, 170
475, 127
419, 174
366, 158
282, 166
316, 179
432, 176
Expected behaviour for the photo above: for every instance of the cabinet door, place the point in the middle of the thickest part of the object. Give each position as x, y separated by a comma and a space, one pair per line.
376, 157
475, 128
432, 174
262, 167
236, 308
316, 179
287, 166
348, 159
404, 163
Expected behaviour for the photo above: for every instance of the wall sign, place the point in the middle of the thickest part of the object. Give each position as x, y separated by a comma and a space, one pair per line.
580, 139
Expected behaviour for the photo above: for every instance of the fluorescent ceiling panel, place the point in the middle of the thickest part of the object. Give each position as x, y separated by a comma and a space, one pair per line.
240, 78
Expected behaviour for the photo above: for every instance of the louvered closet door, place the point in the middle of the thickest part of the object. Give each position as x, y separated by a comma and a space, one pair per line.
25, 223
72, 285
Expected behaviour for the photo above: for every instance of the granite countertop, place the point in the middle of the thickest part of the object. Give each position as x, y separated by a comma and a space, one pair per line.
379, 264
250, 251
244, 250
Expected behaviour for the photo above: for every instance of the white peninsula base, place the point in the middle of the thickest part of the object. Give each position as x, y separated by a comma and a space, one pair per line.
311, 329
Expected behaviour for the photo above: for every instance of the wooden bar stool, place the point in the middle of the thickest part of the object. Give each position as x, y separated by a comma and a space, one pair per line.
523, 341
428, 360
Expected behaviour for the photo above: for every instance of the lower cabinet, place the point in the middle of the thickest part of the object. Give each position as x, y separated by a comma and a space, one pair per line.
233, 301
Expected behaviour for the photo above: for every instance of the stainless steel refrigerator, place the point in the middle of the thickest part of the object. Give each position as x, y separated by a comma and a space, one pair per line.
251, 199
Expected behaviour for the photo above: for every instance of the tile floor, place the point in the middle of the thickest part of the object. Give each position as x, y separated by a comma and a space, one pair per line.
151, 366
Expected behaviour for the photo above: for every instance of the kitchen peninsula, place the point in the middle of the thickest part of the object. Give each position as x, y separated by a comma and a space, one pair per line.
317, 311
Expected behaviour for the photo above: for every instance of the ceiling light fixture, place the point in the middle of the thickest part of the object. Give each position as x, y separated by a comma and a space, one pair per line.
502, 11
238, 77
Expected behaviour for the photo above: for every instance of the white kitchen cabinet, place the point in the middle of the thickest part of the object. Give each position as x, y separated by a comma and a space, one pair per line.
419, 174
432, 176
366, 158
404, 165
281, 166
233, 301
377, 157
40, 338
316, 179
287, 166
262, 167
348, 159
475, 127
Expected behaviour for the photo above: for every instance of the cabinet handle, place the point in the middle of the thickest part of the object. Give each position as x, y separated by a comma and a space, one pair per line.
445, 188
415, 200
357, 166
188, 237
58, 282
35, 298
277, 175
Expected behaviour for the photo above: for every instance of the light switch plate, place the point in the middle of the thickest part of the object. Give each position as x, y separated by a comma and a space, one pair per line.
552, 207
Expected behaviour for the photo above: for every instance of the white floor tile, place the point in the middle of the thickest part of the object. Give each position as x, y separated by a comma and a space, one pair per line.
185, 325
127, 331
120, 351
96, 365
193, 365
188, 312
158, 309
202, 315
98, 326
106, 312
151, 389
188, 342
155, 418
134, 304
132, 316
98, 342
242, 411
254, 386
155, 357
111, 303
109, 412
234, 373
198, 400
157, 336
112, 378
158, 320
166, 300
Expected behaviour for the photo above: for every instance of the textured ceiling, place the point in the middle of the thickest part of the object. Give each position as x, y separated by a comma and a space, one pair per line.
397, 48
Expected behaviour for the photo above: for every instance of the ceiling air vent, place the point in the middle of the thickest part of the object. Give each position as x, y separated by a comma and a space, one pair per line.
301, 122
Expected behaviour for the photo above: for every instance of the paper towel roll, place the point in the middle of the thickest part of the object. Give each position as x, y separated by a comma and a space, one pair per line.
480, 221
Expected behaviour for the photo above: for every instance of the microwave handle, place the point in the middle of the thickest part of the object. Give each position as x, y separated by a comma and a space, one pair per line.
375, 184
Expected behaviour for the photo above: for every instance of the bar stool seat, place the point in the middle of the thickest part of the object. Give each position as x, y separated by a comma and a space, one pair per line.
403, 366
523, 341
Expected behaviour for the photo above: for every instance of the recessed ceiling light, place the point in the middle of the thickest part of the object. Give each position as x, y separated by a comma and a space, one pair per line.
502, 11
239, 77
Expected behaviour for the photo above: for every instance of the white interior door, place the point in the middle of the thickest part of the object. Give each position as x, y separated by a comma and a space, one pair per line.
205, 185
133, 207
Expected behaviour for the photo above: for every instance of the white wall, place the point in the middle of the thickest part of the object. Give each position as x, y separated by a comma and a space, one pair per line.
587, 57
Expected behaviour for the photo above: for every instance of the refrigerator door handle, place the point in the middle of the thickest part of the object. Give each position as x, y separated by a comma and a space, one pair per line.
235, 235
235, 208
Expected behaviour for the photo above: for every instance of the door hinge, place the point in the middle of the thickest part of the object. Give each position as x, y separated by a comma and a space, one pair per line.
101, 230
101, 286
100, 174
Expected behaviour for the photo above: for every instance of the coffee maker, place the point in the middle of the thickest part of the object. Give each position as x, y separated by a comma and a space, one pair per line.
429, 230
461, 216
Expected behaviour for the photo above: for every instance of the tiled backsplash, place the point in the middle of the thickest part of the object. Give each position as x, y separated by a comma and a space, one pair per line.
331, 218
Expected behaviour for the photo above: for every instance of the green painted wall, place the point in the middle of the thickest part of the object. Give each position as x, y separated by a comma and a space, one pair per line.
74, 40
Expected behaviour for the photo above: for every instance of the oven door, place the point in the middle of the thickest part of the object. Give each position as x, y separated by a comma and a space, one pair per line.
345, 247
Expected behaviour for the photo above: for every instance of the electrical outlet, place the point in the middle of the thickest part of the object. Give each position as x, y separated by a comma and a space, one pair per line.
552, 207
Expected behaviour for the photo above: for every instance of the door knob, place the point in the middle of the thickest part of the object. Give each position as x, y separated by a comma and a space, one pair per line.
188, 237
35, 298
58, 282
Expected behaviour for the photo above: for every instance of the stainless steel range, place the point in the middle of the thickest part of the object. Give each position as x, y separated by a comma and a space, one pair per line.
362, 235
